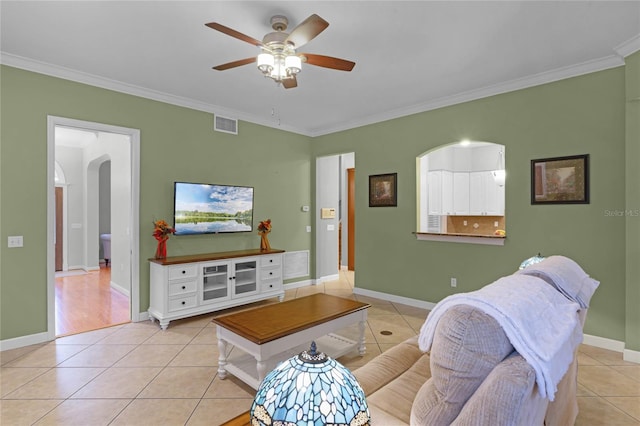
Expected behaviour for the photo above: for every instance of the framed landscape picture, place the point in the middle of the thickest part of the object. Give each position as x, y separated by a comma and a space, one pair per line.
383, 190
560, 180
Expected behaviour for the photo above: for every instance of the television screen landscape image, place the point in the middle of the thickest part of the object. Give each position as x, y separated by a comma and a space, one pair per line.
212, 209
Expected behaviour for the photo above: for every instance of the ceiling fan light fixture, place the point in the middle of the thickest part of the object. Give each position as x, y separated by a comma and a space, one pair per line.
293, 64
279, 66
266, 62
278, 59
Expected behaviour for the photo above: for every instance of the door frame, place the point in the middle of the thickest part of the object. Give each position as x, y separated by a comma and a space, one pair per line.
134, 243
60, 229
351, 219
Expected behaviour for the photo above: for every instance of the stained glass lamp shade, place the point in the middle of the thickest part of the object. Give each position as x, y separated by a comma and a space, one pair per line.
531, 261
310, 389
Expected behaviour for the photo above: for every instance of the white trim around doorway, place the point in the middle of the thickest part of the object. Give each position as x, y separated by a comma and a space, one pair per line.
134, 137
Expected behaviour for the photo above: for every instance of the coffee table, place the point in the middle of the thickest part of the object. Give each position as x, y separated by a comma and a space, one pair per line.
273, 333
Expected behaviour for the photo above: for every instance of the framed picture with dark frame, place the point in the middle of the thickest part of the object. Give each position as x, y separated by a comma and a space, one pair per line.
560, 180
383, 190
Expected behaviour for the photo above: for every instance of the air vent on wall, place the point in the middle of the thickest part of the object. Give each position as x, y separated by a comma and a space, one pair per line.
226, 125
296, 264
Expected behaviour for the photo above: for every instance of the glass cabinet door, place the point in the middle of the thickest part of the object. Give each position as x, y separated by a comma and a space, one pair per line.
215, 282
245, 277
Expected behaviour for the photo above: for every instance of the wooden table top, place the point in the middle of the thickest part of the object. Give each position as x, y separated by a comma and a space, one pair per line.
266, 323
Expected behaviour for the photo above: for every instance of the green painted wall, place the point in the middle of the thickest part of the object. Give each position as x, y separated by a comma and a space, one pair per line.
632, 69
177, 144
579, 115
582, 115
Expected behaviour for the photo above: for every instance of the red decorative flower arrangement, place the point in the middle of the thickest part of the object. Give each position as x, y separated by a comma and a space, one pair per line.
264, 228
161, 232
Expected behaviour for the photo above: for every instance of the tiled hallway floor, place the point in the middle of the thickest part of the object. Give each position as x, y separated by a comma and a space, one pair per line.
137, 374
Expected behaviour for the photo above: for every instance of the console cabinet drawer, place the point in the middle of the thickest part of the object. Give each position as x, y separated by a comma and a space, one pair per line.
270, 273
185, 302
183, 287
183, 271
266, 261
271, 284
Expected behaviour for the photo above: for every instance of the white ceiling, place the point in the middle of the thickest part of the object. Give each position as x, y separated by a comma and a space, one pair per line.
410, 56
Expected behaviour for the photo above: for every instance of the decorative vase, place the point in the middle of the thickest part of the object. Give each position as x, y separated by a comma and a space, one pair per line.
161, 250
264, 242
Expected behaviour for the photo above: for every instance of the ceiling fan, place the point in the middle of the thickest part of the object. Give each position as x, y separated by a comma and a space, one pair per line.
278, 59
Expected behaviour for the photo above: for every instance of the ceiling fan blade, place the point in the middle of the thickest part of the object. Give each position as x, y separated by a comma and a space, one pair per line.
234, 33
290, 83
307, 30
234, 64
327, 62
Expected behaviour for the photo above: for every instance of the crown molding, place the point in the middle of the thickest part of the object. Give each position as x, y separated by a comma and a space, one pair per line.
130, 89
628, 47
601, 64
608, 62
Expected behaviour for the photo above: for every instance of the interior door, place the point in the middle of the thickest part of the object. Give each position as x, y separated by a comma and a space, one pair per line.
59, 229
351, 219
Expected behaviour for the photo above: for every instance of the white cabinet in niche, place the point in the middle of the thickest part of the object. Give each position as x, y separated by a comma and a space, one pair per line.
460, 193
447, 192
440, 196
434, 194
486, 197
185, 286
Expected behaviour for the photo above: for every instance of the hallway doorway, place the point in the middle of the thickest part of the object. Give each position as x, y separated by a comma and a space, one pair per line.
335, 232
83, 292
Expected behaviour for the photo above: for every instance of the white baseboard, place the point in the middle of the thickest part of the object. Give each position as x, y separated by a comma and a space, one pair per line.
327, 278
20, 342
612, 345
74, 267
603, 342
119, 288
298, 284
393, 298
631, 356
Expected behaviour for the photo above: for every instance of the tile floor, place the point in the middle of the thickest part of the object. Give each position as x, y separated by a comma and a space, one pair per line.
136, 374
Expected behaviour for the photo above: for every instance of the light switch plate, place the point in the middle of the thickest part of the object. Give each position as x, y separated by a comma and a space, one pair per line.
15, 241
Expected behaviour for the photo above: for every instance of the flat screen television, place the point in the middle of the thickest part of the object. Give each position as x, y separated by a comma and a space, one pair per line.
200, 208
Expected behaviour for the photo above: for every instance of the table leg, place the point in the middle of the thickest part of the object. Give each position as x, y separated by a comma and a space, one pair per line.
362, 349
261, 366
222, 359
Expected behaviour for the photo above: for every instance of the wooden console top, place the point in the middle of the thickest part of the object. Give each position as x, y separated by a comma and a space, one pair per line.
266, 323
204, 257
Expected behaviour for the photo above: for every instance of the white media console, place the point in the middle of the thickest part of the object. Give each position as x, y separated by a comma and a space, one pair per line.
184, 286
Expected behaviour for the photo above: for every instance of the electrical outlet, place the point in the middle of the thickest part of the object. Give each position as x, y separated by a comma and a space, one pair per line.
454, 282
308, 228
